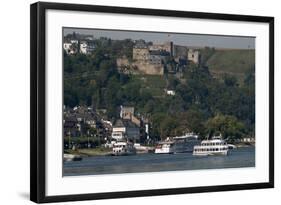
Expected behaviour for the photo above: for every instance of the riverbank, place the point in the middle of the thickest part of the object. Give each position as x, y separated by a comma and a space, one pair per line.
100, 151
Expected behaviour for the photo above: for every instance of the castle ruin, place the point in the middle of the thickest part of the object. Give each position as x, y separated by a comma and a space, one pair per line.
149, 59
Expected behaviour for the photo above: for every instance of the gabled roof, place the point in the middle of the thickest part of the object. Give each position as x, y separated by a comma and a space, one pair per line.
119, 123
124, 123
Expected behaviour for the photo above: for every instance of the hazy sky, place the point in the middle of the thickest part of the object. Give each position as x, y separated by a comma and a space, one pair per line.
235, 42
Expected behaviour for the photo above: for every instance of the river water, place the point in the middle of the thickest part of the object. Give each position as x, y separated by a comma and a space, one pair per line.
241, 157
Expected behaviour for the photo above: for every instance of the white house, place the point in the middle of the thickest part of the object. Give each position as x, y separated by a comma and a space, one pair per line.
67, 47
86, 48
170, 92
83, 48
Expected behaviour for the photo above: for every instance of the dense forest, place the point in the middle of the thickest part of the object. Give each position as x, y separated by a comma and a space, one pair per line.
203, 104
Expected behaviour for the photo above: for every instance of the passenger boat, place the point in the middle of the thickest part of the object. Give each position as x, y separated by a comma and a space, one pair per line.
165, 147
232, 146
185, 143
71, 157
140, 149
215, 146
123, 148
179, 144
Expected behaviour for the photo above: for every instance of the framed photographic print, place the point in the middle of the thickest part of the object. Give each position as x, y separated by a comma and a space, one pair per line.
129, 102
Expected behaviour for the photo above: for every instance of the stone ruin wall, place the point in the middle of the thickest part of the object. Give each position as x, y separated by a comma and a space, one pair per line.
139, 67
149, 69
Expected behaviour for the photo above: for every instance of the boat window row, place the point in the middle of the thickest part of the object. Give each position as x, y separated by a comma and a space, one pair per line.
210, 149
213, 143
119, 146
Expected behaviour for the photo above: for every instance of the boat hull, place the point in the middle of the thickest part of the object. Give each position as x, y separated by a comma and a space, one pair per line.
123, 149
123, 153
71, 157
163, 151
220, 153
186, 147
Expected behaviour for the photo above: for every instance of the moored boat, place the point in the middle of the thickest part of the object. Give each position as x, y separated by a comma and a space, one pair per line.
215, 146
165, 147
185, 143
140, 149
71, 157
179, 144
232, 146
123, 148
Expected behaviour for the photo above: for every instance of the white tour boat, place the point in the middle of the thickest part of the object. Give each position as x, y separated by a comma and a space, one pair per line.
165, 147
71, 157
123, 148
215, 146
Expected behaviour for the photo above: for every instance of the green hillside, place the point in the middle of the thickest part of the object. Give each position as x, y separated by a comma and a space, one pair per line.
233, 62
200, 103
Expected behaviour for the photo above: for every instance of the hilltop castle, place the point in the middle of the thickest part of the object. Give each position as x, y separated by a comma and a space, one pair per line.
150, 59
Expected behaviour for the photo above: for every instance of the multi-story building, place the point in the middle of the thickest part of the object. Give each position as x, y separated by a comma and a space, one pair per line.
69, 48
125, 129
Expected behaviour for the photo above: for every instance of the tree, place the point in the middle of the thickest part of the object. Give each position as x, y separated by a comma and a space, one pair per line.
168, 127
94, 80
230, 81
195, 121
156, 119
228, 126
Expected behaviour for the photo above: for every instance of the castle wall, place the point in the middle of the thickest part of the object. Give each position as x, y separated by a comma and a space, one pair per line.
168, 46
140, 53
149, 69
139, 67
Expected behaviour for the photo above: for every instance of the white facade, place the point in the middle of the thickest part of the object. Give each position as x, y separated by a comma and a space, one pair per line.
193, 56
118, 133
74, 41
86, 48
83, 48
170, 92
67, 47
126, 112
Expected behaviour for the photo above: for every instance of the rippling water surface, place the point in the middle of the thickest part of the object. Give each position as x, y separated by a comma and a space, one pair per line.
241, 157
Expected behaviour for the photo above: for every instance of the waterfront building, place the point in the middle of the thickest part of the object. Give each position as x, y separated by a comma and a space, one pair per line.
125, 129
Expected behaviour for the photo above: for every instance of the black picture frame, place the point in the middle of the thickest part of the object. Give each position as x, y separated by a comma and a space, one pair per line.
38, 101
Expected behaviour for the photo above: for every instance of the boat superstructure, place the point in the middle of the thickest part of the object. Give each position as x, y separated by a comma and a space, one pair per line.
165, 147
215, 146
185, 143
123, 148
179, 144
